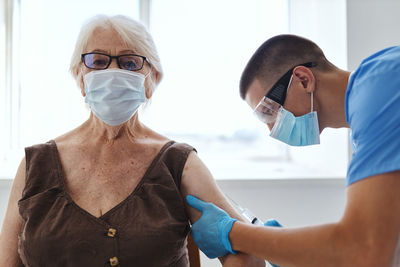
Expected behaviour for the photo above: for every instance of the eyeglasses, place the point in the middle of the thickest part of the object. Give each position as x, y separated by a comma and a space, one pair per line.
99, 61
267, 108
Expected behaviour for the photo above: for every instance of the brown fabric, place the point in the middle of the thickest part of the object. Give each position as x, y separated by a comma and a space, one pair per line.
151, 223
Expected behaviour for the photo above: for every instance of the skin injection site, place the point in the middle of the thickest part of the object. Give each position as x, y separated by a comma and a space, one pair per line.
199, 133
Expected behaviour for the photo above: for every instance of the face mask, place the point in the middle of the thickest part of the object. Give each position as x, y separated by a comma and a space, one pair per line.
296, 131
114, 95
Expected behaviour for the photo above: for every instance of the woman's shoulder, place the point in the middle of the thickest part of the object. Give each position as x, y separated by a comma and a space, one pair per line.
181, 146
67, 137
164, 140
177, 154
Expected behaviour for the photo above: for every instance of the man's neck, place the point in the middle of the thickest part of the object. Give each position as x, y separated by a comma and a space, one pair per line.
332, 99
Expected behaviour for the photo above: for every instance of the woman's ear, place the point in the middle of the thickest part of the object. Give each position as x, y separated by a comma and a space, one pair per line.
149, 92
306, 77
155, 76
82, 85
79, 77
151, 83
149, 87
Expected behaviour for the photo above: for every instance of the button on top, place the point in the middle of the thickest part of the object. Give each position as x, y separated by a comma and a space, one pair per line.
114, 261
111, 232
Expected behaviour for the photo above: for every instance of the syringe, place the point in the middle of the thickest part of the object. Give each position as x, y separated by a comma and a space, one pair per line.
249, 216
246, 213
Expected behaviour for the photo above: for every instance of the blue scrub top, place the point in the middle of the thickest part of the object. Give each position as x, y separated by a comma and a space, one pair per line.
373, 114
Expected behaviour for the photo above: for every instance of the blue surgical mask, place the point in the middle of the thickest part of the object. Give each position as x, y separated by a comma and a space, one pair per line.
296, 131
114, 95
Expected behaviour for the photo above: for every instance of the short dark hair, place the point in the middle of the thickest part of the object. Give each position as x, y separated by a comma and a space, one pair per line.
277, 55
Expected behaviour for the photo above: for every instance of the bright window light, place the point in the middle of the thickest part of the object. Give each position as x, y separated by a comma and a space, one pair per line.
204, 46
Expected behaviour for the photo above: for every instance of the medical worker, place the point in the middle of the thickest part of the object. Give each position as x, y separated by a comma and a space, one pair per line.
297, 92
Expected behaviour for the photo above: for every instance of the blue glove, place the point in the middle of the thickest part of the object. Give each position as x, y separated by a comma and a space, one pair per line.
272, 223
211, 231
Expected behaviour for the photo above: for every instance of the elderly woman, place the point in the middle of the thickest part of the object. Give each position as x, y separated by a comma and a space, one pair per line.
110, 192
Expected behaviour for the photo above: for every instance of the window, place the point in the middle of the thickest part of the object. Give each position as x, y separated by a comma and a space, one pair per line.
8, 79
2, 77
203, 45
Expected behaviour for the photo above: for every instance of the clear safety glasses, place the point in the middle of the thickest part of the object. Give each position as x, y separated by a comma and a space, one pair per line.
267, 109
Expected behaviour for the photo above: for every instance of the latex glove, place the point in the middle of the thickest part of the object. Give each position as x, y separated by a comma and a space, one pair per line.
211, 231
272, 223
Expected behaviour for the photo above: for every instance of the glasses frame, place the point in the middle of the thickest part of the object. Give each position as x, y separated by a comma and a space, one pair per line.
266, 110
111, 58
276, 96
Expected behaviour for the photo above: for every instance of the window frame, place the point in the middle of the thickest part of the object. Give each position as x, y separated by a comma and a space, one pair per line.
11, 91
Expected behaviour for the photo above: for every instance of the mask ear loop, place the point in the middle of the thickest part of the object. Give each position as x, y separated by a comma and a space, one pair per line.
312, 101
148, 73
290, 83
287, 90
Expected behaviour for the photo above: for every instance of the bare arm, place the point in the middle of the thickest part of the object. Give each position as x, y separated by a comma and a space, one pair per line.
367, 235
197, 180
12, 223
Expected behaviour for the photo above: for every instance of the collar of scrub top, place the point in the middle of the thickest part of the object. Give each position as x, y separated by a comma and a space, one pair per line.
267, 108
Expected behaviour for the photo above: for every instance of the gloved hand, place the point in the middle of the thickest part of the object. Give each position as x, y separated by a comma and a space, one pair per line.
272, 223
211, 231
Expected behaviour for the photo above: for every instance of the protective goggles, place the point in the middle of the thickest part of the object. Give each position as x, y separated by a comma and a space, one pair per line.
267, 109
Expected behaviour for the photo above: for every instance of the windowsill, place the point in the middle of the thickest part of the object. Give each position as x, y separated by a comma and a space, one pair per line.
8, 170
4, 175
272, 170
237, 170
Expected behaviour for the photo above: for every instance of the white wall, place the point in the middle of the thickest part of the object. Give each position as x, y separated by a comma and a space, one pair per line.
5, 187
371, 26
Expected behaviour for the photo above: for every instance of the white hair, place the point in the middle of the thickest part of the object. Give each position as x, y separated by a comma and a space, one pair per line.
133, 33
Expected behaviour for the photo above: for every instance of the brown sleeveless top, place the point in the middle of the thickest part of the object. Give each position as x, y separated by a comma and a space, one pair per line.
148, 228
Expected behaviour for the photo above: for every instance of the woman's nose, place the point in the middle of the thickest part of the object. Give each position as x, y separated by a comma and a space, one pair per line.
113, 64
270, 125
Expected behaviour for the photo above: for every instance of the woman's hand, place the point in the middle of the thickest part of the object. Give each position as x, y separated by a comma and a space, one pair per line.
241, 260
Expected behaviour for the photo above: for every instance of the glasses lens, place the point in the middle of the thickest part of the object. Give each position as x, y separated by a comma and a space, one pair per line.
267, 110
131, 62
96, 61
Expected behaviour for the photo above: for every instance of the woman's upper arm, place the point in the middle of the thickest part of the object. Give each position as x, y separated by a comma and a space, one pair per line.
12, 222
198, 181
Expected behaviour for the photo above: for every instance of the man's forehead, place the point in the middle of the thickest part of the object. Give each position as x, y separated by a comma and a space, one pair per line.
256, 91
